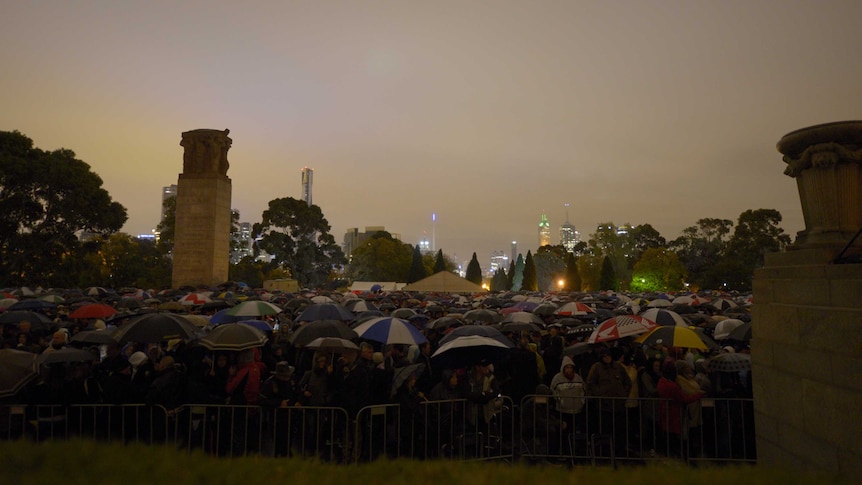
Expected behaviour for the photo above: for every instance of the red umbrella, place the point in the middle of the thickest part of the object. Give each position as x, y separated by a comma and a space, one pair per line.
574, 308
619, 327
93, 310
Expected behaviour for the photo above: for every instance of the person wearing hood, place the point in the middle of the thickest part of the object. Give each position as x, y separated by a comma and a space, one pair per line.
609, 382
568, 388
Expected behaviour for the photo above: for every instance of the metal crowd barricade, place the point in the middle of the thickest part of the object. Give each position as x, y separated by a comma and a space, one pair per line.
377, 432
101, 422
612, 430
228, 430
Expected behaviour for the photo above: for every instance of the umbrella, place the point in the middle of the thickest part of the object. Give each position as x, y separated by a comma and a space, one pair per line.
577, 349
673, 337
324, 311
469, 350
96, 291
544, 309
333, 345
402, 374
93, 310
480, 330
582, 329
659, 303
156, 327
321, 328
723, 304
258, 324
619, 327
195, 299
444, 323
32, 304
95, 337
322, 299
688, 300
520, 327
130, 303
741, 333
7, 302
725, 327
17, 368
198, 321
522, 317
362, 306
730, 362
55, 299
222, 316
574, 308
389, 330
66, 355
481, 315
234, 336
38, 321
171, 306
404, 313
253, 308
664, 317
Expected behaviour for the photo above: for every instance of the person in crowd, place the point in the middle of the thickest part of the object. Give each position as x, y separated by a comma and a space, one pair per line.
672, 407
568, 389
609, 382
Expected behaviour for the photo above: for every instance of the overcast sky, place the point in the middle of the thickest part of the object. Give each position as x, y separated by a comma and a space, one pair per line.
486, 113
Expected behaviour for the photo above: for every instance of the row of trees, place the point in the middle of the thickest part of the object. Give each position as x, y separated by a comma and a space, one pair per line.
48, 200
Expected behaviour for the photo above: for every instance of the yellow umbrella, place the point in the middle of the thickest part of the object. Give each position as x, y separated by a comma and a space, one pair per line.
673, 337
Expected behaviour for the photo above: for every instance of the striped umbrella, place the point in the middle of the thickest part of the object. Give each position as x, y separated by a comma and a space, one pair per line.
574, 308
619, 327
254, 308
390, 330
674, 337
664, 317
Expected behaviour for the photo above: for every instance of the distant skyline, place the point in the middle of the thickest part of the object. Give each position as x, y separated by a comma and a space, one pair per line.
486, 113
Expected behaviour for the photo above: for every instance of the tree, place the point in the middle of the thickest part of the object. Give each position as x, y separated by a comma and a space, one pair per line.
530, 281
381, 258
659, 269
639, 239
573, 278
608, 276
589, 269
510, 276
613, 243
757, 232
439, 263
249, 271
297, 236
701, 247
474, 271
167, 226
46, 200
417, 269
500, 281
550, 268
518, 274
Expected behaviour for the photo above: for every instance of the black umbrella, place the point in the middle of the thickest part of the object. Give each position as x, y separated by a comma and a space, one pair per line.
480, 330
38, 321
402, 374
303, 335
95, 337
234, 336
31, 304
519, 327
469, 350
17, 368
577, 349
444, 323
66, 355
156, 327
325, 311
741, 333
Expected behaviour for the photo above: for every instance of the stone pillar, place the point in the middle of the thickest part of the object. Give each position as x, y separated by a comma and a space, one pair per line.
807, 314
202, 235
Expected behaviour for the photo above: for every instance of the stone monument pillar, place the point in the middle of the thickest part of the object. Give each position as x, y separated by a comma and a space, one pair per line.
807, 313
202, 234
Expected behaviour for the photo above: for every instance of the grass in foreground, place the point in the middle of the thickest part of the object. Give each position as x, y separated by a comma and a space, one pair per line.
85, 462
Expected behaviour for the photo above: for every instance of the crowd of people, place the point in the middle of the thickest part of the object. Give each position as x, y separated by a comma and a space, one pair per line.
600, 386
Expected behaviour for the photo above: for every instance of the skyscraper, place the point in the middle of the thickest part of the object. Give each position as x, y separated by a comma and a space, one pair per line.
544, 231
167, 193
307, 178
569, 236
514, 251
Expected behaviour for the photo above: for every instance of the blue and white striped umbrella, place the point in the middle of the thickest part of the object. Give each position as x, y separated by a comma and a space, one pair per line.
389, 330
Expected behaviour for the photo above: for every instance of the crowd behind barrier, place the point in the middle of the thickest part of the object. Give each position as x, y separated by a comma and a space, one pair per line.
547, 396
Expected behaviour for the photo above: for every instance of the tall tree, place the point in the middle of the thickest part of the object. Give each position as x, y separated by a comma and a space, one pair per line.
659, 269
46, 200
500, 282
757, 232
297, 236
701, 247
590, 269
550, 268
167, 226
440, 262
510, 275
573, 278
530, 281
518, 274
381, 258
608, 277
417, 269
639, 239
474, 271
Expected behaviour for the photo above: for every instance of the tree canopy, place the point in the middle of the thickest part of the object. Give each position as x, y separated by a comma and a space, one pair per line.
474, 271
47, 200
297, 236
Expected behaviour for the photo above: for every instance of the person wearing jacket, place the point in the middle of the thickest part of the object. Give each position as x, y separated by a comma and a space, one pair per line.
568, 389
672, 407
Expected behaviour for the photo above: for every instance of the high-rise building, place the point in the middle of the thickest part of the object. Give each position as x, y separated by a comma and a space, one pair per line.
307, 179
167, 193
544, 231
514, 251
242, 243
499, 261
569, 236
